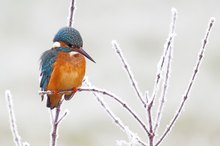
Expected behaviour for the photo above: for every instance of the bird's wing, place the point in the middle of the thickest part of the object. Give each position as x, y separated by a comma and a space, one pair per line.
47, 60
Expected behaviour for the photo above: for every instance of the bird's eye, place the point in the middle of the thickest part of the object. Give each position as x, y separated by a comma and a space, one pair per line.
70, 45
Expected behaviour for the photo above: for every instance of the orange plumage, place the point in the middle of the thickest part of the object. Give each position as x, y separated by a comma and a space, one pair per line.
68, 72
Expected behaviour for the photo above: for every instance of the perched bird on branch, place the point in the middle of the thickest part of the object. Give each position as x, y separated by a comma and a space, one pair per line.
63, 67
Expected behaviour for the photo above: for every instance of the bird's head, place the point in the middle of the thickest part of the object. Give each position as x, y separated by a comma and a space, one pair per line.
70, 38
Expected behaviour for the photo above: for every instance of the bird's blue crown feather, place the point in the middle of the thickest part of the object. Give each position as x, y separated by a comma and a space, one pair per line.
70, 36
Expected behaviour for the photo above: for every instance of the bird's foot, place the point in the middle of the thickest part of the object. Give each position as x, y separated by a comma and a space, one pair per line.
55, 92
75, 90
68, 97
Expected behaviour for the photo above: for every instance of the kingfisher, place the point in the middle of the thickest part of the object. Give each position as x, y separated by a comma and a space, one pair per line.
63, 66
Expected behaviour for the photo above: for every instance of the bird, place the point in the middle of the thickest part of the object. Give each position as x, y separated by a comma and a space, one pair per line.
63, 66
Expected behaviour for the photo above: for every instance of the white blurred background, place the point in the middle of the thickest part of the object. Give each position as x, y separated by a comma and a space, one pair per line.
141, 28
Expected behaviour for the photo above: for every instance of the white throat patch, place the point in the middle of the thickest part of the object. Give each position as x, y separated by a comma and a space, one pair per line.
73, 53
56, 45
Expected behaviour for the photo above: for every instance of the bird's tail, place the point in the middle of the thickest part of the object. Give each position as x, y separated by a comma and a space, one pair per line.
53, 100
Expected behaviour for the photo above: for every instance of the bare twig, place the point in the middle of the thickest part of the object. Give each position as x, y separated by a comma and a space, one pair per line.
129, 72
189, 87
115, 119
62, 117
147, 96
17, 138
71, 13
163, 94
167, 73
150, 123
162, 60
55, 122
13, 125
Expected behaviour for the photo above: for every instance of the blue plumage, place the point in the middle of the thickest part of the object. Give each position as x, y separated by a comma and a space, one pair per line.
47, 60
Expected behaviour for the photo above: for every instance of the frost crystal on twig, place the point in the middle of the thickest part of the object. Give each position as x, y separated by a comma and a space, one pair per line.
17, 138
71, 13
169, 46
128, 70
132, 141
163, 57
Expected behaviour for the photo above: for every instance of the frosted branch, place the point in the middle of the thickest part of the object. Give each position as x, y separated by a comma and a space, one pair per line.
191, 82
63, 116
71, 13
129, 72
167, 72
163, 57
55, 121
115, 118
17, 138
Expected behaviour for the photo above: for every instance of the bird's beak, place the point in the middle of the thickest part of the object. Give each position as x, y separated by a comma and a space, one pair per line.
81, 51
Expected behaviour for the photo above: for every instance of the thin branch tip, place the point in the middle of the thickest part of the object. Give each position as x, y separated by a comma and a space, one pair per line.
211, 23
114, 42
212, 19
174, 10
127, 69
7, 92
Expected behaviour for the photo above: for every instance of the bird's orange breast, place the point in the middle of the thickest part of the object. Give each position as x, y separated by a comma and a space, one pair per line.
68, 71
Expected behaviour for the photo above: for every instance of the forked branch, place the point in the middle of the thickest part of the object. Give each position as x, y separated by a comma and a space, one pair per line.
189, 87
163, 57
169, 46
